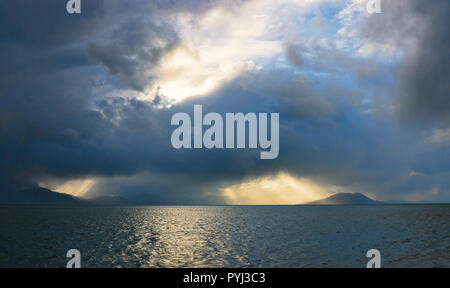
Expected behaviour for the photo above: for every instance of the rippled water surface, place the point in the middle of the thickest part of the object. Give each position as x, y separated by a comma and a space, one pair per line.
226, 236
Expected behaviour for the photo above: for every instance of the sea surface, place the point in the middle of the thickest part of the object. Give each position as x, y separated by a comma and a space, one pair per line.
225, 236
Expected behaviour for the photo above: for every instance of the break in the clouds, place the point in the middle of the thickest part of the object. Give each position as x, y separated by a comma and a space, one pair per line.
86, 100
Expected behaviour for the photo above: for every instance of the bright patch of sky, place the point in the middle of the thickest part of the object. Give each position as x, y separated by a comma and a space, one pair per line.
227, 41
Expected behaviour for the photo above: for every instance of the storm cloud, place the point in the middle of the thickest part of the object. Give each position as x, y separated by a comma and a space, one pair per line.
420, 31
79, 100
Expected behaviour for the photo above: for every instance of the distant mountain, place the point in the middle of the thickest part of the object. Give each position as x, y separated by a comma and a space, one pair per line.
346, 199
37, 195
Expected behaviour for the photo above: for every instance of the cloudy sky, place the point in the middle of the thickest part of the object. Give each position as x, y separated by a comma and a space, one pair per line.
86, 100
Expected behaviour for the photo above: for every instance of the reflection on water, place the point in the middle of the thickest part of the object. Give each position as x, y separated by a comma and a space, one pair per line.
221, 236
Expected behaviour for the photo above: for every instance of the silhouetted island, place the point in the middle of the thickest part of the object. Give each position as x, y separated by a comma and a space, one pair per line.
346, 199
35, 195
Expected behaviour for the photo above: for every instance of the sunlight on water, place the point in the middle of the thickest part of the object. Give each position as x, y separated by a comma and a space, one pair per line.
234, 236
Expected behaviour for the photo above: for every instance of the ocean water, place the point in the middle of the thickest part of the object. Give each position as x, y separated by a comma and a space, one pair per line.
226, 236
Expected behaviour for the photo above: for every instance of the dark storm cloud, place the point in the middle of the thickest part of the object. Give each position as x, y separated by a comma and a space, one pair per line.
422, 30
54, 122
38, 24
134, 49
338, 146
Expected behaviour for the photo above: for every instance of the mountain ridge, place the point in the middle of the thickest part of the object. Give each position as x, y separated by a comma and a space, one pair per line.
36, 195
346, 199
